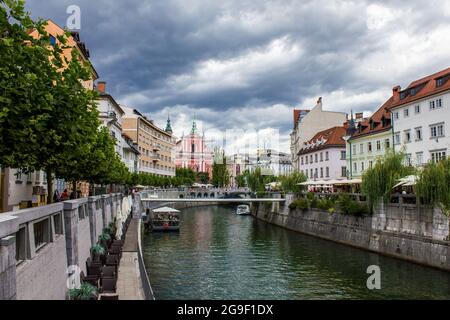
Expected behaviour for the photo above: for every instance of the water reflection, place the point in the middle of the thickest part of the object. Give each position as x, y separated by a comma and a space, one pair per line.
218, 255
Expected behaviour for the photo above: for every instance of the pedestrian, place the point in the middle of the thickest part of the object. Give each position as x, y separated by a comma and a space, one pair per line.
56, 196
64, 195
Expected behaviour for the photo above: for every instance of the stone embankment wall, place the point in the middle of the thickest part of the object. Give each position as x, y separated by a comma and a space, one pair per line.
415, 233
40, 268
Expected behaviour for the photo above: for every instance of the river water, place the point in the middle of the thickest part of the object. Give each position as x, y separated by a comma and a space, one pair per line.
219, 255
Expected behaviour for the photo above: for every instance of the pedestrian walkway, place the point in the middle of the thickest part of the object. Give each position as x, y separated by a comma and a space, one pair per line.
129, 284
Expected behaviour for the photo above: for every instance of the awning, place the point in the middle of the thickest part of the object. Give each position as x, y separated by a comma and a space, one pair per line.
165, 210
407, 181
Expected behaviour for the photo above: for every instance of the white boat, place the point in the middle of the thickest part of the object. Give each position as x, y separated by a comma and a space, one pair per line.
243, 209
165, 219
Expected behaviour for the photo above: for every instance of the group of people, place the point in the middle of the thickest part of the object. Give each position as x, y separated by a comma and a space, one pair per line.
66, 195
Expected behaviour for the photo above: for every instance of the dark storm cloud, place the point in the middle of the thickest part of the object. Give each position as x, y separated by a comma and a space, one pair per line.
230, 55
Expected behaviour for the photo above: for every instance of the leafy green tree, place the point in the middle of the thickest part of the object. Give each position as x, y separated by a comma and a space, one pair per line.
241, 181
220, 174
290, 183
378, 181
433, 185
203, 177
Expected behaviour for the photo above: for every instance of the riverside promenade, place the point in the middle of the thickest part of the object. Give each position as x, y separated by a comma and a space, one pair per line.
129, 282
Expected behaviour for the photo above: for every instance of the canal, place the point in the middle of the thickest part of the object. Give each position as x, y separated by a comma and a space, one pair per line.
218, 255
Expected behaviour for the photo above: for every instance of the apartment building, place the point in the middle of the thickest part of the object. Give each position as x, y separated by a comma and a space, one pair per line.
308, 123
367, 140
156, 146
324, 156
421, 118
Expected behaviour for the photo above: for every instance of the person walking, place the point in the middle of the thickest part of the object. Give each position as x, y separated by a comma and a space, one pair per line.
64, 195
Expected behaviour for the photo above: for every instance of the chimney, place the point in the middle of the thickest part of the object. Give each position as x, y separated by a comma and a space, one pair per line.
101, 86
396, 93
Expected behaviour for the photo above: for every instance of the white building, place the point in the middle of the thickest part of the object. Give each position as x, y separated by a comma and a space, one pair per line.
421, 118
308, 123
111, 114
130, 154
271, 162
324, 157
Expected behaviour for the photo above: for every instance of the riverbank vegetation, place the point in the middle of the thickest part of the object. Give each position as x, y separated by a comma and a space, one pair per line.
378, 181
433, 185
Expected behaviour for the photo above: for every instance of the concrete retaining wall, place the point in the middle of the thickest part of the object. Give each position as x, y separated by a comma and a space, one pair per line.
408, 232
71, 228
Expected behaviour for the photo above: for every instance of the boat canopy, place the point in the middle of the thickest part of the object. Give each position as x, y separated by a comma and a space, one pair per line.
166, 210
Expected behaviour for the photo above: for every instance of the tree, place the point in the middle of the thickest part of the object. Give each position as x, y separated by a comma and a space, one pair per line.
378, 181
220, 174
433, 185
290, 183
203, 177
241, 181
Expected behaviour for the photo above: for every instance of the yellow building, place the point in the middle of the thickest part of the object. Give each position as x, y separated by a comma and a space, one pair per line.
157, 146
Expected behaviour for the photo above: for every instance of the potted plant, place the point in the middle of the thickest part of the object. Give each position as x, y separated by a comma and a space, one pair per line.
97, 252
105, 240
85, 292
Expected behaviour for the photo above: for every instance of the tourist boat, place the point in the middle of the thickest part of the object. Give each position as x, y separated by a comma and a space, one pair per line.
165, 219
243, 209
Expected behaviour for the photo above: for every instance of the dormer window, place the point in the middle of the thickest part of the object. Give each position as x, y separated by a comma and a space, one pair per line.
52, 41
403, 95
439, 82
383, 122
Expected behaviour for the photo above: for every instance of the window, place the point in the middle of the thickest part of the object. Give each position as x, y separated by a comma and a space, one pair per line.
407, 136
343, 171
343, 155
321, 172
387, 144
440, 82
438, 155
370, 164
355, 167
408, 159
52, 41
57, 221
362, 166
369, 146
18, 175
397, 138
327, 172
301, 160
307, 159
21, 249
396, 115
41, 233
361, 148
306, 174
312, 174
406, 113
311, 159
419, 158
418, 133
316, 173
316, 157
435, 104
417, 108
378, 145
354, 149
437, 130
327, 156
321, 156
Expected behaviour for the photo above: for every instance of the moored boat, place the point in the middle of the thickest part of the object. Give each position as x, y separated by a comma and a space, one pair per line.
243, 209
165, 219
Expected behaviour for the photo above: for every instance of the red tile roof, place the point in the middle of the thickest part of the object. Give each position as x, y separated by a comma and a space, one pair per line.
365, 128
424, 87
297, 113
332, 137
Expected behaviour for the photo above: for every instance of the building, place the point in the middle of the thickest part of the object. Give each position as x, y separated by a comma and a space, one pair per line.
24, 189
324, 157
156, 146
193, 152
237, 164
367, 140
130, 154
308, 123
111, 114
421, 118
271, 162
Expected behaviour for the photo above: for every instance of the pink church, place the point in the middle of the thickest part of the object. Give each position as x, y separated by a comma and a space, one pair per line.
192, 152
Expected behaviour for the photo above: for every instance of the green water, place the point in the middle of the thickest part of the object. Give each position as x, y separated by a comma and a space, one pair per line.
218, 255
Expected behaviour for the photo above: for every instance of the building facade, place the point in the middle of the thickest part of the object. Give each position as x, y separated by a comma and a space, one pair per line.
308, 124
421, 118
324, 156
368, 140
271, 162
156, 146
193, 152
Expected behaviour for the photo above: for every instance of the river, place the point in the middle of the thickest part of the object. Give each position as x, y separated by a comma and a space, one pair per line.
219, 255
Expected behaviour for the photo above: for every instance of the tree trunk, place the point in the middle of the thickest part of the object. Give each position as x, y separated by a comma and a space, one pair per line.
49, 186
74, 189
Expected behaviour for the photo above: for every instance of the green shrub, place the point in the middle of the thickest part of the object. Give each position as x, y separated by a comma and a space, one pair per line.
301, 204
325, 204
348, 206
104, 237
85, 292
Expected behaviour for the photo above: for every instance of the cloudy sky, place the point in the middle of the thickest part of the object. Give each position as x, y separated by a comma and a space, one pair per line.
247, 64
